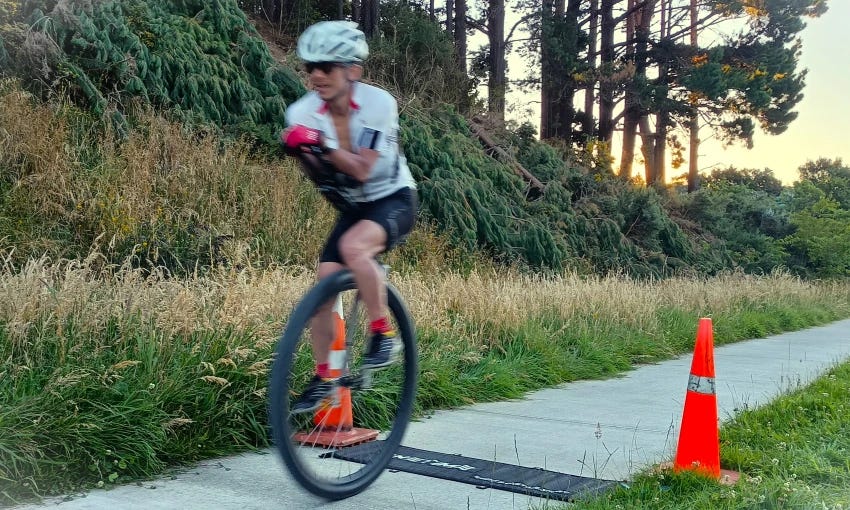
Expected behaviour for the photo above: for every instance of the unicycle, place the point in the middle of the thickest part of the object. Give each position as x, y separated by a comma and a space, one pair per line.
340, 450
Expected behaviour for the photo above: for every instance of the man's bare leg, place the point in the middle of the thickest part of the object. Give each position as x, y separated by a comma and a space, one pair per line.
322, 324
358, 247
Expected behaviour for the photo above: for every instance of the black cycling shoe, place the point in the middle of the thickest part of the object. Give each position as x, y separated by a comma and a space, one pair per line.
317, 394
383, 351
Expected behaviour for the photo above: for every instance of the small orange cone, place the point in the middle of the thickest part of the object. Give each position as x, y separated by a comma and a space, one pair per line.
338, 417
335, 425
699, 440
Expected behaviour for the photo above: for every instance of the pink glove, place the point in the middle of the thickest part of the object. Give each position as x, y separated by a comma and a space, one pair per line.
299, 139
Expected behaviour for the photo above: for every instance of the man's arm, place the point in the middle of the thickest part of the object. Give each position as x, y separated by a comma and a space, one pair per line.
317, 151
358, 166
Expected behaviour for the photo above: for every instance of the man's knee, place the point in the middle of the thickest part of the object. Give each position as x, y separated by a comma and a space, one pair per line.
327, 268
364, 241
352, 250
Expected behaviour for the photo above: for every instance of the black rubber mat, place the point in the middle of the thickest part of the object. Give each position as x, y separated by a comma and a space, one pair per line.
483, 473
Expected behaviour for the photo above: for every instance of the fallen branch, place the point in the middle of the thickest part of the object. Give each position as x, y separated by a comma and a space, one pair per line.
504, 157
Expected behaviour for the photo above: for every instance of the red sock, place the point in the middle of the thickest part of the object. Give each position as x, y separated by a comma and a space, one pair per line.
381, 325
322, 370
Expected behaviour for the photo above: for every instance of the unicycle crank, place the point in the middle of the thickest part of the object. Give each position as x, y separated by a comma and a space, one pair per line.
361, 380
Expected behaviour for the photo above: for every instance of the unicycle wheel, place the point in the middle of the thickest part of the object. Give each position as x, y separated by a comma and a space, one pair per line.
369, 410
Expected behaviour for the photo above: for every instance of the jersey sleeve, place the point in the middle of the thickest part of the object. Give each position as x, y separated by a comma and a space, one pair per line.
293, 113
303, 111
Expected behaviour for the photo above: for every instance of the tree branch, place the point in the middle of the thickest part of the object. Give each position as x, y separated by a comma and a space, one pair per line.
518, 23
616, 120
478, 130
478, 25
619, 19
704, 23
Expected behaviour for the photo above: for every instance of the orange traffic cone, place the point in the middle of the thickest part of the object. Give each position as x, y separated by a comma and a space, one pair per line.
335, 425
338, 417
699, 441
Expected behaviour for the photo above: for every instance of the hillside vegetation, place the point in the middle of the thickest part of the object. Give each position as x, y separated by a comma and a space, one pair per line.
114, 60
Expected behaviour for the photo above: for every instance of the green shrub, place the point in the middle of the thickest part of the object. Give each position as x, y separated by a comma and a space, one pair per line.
202, 59
750, 222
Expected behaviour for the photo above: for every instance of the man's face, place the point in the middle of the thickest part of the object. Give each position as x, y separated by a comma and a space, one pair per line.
329, 79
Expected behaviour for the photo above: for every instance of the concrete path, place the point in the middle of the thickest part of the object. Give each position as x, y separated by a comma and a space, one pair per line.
608, 429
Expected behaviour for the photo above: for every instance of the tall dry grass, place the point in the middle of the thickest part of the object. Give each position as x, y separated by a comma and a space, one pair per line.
163, 193
91, 294
509, 299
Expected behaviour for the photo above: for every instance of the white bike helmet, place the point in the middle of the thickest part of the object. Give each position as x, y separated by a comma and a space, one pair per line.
333, 41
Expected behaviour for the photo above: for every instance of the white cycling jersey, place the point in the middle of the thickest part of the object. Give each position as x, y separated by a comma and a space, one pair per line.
374, 125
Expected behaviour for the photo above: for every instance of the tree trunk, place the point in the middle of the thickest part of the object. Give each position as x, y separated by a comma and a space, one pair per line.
630, 107
634, 105
606, 87
647, 148
450, 19
630, 124
546, 71
660, 156
460, 33
662, 119
590, 90
370, 12
497, 85
567, 93
650, 141
565, 109
693, 156
376, 17
560, 43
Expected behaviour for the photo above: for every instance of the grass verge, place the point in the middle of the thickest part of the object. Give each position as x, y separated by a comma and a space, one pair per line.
793, 453
112, 374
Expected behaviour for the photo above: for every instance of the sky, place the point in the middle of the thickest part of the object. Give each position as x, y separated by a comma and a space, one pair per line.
822, 128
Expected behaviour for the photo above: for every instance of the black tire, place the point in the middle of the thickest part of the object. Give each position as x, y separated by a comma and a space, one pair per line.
288, 376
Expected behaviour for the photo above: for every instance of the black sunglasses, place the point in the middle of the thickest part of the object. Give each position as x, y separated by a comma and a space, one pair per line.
325, 67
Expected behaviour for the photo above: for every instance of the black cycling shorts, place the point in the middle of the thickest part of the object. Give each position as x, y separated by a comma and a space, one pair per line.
396, 213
